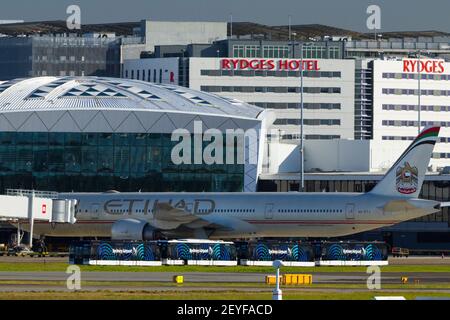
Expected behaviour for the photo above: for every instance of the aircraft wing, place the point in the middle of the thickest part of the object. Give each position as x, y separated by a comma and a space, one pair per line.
167, 217
445, 204
229, 224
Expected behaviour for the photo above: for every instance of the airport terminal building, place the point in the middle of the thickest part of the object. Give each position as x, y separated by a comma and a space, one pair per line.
365, 106
95, 134
98, 134
345, 99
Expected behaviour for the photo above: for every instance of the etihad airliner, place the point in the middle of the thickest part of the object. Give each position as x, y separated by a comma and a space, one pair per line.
148, 216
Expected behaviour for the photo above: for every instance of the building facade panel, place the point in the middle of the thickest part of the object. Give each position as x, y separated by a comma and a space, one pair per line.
396, 100
328, 85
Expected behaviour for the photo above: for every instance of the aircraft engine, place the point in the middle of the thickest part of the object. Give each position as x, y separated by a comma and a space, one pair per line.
134, 229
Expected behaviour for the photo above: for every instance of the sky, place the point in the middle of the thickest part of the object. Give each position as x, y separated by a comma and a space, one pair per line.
396, 15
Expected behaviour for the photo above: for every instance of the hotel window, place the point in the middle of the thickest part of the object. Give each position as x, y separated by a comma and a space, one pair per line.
335, 52
415, 76
238, 51
252, 51
309, 122
275, 51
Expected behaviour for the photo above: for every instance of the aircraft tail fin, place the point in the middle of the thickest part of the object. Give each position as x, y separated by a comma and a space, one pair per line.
405, 178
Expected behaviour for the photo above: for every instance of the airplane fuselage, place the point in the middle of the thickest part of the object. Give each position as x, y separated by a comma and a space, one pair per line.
254, 214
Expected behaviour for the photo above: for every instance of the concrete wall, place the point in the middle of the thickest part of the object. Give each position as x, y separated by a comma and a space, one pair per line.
181, 33
282, 158
334, 155
131, 51
337, 155
384, 154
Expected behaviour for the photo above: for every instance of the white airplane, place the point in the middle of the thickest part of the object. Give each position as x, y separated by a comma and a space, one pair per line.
147, 216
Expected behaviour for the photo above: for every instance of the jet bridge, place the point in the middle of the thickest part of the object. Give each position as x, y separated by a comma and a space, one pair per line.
29, 205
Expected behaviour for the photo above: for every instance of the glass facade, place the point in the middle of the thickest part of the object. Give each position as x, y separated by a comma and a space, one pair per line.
315, 51
92, 162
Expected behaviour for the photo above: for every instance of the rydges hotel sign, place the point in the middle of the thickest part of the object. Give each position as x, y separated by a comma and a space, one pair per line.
269, 64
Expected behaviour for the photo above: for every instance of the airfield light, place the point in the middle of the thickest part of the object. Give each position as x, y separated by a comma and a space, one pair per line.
277, 294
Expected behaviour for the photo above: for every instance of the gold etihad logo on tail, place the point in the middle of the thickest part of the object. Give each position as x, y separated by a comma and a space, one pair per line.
407, 180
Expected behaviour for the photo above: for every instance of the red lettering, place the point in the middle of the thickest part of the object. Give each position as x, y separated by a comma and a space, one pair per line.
435, 65
316, 65
255, 64
225, 64
294, 65
270, 64
413, 65
428, 66
282, 64
243, 64
406, 64
235, 63
262, 64
310, 65
425, 66
441, 67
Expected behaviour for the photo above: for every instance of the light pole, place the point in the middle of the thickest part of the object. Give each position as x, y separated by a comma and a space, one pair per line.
293, 44
302, 154
420, 91
277, 294
302, 137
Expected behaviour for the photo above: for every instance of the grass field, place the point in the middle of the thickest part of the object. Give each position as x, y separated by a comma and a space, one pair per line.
138, 284
58, 266
208, 295
147, 290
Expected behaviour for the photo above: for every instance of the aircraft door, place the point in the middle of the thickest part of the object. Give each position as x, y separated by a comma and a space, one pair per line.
95, 210
350, 211
268, 212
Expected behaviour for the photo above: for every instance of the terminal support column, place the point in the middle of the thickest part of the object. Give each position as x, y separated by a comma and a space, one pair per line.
31, 217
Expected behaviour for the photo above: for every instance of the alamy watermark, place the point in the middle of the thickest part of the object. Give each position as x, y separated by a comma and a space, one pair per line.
74, 279
374, 280
213, 146
374, 20
74, 19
